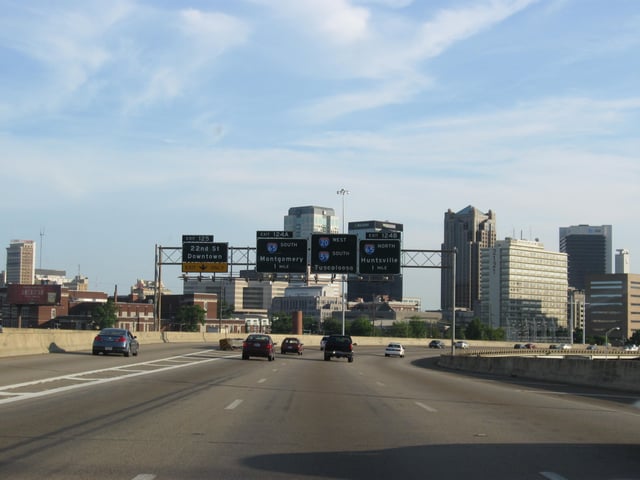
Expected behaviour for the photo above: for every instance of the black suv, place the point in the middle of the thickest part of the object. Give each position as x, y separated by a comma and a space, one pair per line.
436, 344
339, 346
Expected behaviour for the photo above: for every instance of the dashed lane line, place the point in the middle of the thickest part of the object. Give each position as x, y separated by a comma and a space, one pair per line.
233, 405
426, 407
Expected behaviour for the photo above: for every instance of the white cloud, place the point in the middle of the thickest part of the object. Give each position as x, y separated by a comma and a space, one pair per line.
180, 62
453, 25
393, 49
212, 33
392, 92
334, 21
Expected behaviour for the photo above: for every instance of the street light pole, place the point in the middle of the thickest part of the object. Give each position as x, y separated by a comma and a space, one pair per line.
606, 339
342, 192
453, 300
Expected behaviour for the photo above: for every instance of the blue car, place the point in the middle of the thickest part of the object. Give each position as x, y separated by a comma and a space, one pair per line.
115, 340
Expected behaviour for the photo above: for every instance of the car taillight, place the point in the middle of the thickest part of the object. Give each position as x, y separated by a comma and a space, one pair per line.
350, 347
121, 340
98, 338
244, 344
269, 346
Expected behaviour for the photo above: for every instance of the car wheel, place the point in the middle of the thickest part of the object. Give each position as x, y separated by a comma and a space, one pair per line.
271, 359
127, 352
245, 357
135, 353
327, 358
350, 359
95, 352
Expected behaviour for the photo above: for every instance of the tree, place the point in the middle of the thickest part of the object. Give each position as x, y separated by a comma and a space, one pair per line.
360, 327
190, 317
225, 310
309, 324
475, 330
331, 326
398, 329
281, 323
106, 315
417, 328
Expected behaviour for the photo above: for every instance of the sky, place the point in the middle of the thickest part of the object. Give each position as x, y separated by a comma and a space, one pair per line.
125, 124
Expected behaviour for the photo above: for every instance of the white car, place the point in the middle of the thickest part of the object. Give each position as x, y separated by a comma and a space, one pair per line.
394, 350
461, 344
566, 346
631, 348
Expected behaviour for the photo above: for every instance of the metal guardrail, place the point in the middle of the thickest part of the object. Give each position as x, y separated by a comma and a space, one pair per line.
611, 353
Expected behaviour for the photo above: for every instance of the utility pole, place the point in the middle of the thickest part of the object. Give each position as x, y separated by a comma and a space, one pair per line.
342, 192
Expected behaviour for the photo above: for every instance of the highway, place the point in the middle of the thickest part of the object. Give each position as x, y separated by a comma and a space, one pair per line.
189, 411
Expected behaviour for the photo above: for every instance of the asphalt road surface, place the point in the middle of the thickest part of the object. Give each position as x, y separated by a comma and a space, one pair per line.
193, 412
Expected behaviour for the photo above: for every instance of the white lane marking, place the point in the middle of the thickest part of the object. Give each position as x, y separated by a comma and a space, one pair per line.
83, 379
552, 476
380, 384
233, 404
262, 380
426, 407
144, 476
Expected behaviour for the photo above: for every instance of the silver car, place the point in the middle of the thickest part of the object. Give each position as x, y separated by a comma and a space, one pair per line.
116, 340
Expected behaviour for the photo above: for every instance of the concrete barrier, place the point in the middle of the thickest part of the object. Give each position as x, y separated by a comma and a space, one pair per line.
27, 341
617, 374
579, 370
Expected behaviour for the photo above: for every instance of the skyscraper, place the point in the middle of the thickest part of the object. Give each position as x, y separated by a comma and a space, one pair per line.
623, 264
367, 288
589, 250
467, 231
524, 289
21, 262
303, 221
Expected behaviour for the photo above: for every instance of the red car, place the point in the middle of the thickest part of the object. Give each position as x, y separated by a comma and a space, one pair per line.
291, 345
258, 345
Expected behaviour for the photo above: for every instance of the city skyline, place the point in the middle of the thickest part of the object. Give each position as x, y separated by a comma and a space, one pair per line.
127, 124
405, 272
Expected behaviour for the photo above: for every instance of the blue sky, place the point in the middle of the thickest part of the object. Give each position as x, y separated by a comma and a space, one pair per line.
125, 124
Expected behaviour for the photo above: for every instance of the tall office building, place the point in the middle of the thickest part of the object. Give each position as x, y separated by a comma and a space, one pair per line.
611, 306
303, 221
623, 263
373, 286
524, 289
589, 250
468, 231
21, 262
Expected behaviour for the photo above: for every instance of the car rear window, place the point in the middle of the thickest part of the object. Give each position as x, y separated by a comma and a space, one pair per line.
258, 338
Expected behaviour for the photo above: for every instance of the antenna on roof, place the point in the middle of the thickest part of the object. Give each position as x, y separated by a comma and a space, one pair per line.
41, 245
